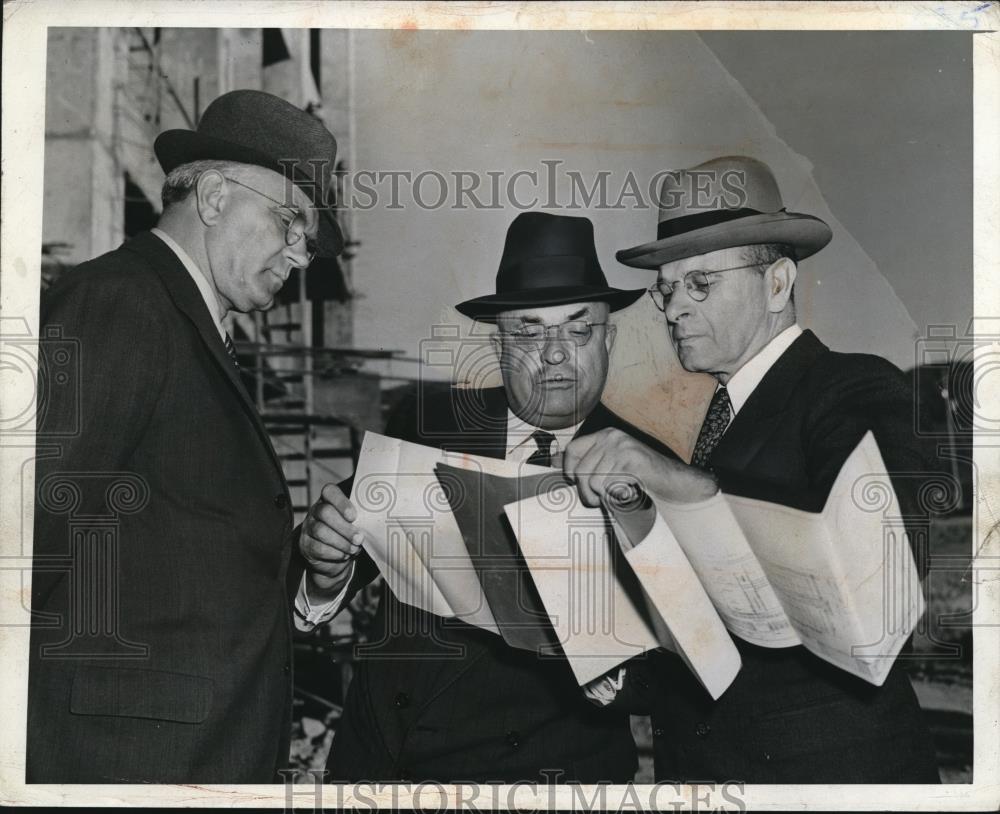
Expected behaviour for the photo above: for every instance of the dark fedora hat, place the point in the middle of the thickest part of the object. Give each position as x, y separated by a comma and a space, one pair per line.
548, 260
253, 127
723, 203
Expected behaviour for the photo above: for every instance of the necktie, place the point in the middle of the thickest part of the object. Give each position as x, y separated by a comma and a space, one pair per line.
716, 421
543, 455
231, 350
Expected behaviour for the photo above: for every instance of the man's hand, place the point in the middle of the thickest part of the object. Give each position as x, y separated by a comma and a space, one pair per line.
329, 542
614, 468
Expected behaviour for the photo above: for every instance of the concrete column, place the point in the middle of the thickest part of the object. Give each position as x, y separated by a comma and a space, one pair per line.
240, 59
84, 187
336, 61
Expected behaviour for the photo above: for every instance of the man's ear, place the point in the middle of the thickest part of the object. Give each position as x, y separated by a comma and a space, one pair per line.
211, 196
780, 277
497, 343
610, 332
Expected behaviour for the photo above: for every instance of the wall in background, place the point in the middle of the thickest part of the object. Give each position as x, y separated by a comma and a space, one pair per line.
617, 102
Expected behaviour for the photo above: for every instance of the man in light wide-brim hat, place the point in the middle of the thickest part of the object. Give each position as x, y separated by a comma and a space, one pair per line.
786, 414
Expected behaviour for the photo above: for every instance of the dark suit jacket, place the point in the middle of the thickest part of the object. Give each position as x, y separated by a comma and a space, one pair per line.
441, 700
790, 717
179, 574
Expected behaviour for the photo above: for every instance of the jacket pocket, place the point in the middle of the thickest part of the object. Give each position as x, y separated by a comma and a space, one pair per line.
137, 693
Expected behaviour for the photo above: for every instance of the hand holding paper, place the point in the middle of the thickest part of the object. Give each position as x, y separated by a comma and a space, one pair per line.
611, 465
329, 541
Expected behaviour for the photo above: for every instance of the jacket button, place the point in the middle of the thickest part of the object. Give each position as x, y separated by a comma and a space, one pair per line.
405, 774
702, 730
280, 501
402, 700
286, 668
658, 732
513, 739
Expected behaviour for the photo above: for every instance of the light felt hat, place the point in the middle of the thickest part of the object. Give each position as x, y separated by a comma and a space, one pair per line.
723, 203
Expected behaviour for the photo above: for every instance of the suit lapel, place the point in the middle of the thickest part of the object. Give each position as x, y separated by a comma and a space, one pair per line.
763, 412
189, 301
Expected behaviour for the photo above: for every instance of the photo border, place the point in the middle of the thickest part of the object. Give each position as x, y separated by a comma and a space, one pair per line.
25, 37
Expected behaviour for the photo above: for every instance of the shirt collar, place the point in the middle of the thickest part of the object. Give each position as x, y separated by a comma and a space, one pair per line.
204, 288
745, 380
519, 433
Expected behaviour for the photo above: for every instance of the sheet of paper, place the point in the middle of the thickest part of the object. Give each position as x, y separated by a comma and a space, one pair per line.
601, 620
477, 499
415, 541
886, 596
845, 577
730, 573
696, 632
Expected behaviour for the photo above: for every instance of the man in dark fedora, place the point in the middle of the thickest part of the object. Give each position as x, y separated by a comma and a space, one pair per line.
161, 651
786, 413
447, 701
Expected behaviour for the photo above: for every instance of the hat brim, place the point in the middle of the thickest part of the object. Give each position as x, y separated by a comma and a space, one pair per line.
805, 233
176, 147
486, 308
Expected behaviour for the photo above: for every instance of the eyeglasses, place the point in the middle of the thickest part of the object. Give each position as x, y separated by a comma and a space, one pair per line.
535, 333
697, 284
294, 223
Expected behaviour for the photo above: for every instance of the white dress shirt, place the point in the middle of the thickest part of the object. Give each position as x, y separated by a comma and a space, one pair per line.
520, 447
745, 380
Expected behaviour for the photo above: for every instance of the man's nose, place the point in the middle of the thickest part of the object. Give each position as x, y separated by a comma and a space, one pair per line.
679, 305
554, 351
296, 255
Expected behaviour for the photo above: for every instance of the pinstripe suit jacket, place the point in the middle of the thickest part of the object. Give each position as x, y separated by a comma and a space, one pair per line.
162, 653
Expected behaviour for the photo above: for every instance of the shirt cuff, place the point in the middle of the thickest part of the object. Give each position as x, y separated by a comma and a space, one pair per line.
602, 691
308, 617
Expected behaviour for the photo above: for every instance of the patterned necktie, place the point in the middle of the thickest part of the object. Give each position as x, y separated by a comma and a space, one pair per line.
716, 420
231, 350
543, 455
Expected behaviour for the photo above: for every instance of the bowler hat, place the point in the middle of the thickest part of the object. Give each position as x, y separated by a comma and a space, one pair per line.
548, 260
723, 203
253, 127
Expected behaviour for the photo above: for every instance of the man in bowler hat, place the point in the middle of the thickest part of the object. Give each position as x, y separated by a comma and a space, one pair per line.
163, 654
786, 413
451, 702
